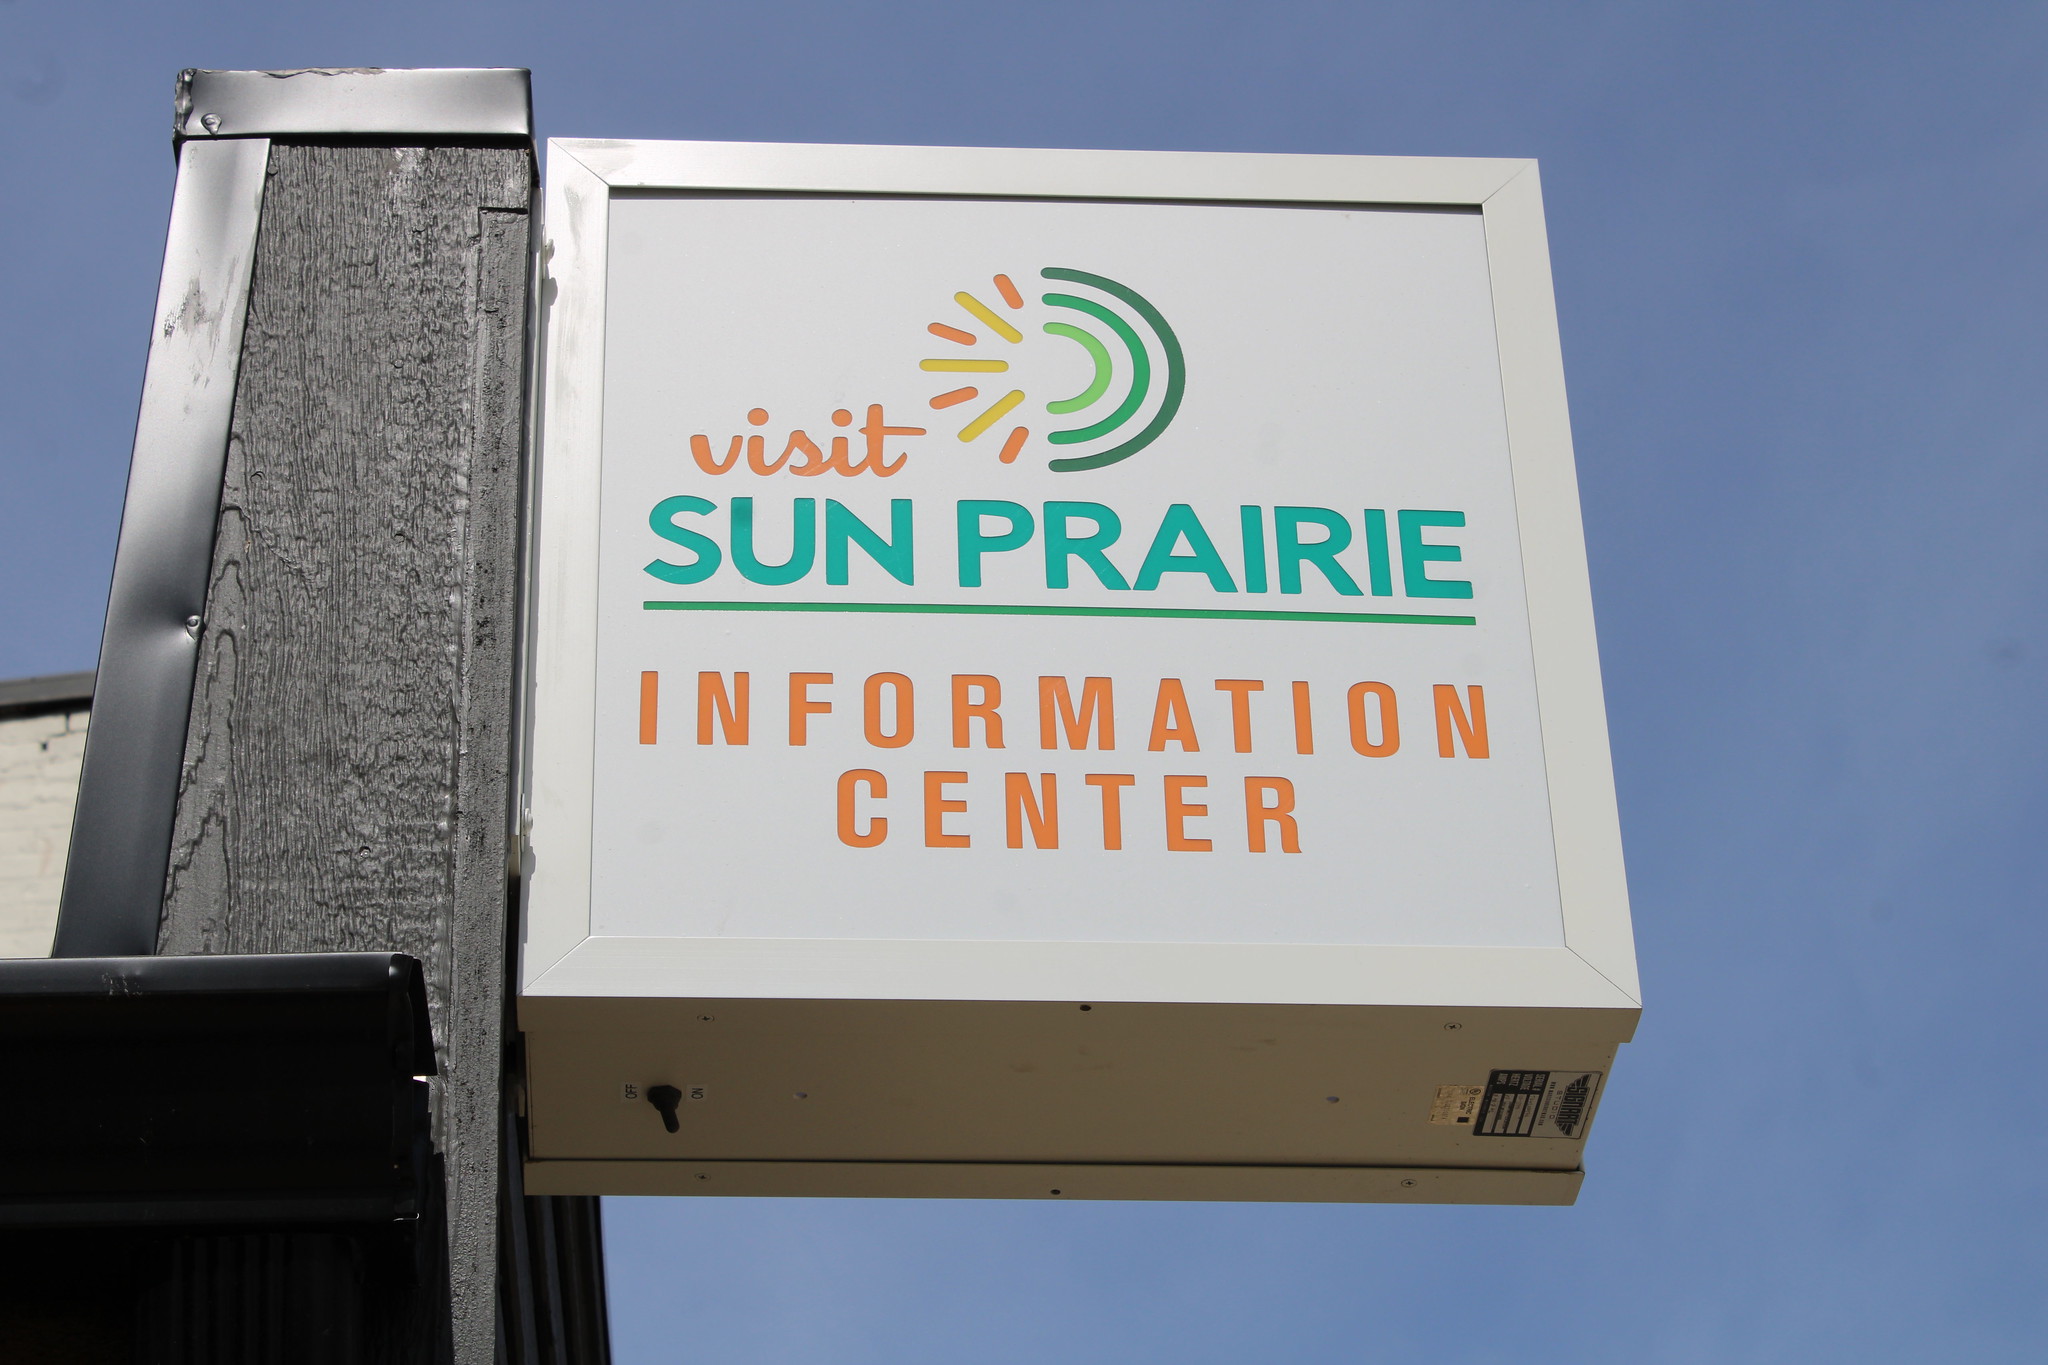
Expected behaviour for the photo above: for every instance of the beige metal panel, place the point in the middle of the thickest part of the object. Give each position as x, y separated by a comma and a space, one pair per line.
969, 1180
880, 1080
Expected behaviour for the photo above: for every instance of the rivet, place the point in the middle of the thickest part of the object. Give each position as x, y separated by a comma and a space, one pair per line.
210, 122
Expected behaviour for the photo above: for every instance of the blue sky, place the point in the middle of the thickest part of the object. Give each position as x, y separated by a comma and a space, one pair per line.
1800, 277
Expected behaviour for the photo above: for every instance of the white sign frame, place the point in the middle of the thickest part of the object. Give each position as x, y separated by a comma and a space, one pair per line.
561, 958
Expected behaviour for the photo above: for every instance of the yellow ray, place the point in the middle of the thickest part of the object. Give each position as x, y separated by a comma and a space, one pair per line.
965, 366
988, 317
993, 415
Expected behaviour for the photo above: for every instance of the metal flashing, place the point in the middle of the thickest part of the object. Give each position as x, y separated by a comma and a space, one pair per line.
354, 101
42, 696
128, 789
214, 1090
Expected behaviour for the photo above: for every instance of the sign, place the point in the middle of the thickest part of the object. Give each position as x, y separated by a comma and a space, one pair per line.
961, 584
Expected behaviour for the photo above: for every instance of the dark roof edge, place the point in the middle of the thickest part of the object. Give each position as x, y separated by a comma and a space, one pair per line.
42, 696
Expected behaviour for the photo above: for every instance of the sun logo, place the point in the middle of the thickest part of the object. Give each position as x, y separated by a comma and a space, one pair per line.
1141, 361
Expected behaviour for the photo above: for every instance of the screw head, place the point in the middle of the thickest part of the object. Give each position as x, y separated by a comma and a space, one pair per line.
1453, 1027
706, 1018
210, 122
1408, 1184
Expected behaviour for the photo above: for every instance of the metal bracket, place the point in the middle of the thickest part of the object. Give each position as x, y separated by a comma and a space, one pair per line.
334, 101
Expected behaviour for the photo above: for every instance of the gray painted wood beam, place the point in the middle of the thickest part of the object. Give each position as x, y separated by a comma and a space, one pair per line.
346, 782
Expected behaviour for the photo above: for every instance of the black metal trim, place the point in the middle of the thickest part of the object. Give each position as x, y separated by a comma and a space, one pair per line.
332, 101
206, 1091
128, 787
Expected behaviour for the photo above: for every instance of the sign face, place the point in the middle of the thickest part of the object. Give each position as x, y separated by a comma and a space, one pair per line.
1060, 571
995, 549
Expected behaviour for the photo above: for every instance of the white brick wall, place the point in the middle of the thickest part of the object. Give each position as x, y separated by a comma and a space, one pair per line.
39, 758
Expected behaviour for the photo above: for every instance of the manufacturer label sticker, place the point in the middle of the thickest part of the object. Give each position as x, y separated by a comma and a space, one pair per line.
1456, 1104
1544, 1104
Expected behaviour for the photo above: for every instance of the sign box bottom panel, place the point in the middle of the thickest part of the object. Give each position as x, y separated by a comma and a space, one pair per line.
1043, 1099
1023, 1180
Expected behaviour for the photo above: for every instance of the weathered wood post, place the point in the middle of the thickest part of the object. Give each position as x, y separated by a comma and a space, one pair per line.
322, 550
346, 765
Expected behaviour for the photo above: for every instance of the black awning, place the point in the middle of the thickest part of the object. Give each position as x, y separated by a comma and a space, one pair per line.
209, 1090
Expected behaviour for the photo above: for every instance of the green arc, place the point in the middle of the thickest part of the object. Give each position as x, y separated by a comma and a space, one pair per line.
1097, 352
1141, 371
1176, 372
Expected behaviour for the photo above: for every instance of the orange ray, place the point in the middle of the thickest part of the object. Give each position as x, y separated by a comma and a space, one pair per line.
1009, 292
1014, 444
947, 400
940, 329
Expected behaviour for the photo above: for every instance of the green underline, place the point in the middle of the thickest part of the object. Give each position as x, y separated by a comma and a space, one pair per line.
1365, 618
